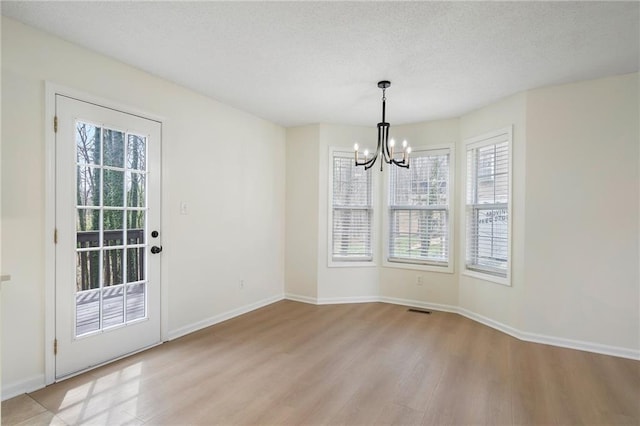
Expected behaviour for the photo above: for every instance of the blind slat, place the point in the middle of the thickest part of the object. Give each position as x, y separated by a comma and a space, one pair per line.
419, 210
487, 217
351, 209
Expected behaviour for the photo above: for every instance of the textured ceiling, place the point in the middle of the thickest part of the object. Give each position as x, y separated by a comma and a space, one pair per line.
307, 62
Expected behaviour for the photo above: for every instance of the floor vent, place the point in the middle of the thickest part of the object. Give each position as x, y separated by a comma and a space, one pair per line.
420, 311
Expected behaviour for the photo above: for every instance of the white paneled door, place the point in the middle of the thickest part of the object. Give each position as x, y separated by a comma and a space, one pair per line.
108, 234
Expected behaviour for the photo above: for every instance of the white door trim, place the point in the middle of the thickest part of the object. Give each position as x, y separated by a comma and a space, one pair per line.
51, 90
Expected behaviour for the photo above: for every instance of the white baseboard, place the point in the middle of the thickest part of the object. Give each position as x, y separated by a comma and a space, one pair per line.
491, 323
31, 384
419, 304
518, 334
182, 331
300, 298
552, 340
330, 300
349, 299
582, 345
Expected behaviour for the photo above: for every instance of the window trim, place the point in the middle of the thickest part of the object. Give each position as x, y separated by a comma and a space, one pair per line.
406, 264
346, 263
487, 139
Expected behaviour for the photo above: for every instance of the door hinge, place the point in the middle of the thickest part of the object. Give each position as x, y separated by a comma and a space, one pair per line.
55, 124
55, 236
55, 347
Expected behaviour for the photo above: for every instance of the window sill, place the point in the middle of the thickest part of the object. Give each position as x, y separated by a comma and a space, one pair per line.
351, 264
487, 277
418, 267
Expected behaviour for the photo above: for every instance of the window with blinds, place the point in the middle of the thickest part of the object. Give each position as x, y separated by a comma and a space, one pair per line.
352, 211
419, 230
487, 204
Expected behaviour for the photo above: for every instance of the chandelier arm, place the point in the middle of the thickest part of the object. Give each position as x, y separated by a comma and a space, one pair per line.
370, 163
378, 150
388, 158
381, 142
367, 163
401, 163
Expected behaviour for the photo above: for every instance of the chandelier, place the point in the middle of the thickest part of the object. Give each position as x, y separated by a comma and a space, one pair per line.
386, 146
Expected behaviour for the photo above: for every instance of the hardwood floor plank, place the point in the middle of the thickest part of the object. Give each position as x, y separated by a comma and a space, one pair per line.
372, 363
20, 409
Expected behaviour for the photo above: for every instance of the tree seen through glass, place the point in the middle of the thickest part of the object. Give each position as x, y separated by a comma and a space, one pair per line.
110, 195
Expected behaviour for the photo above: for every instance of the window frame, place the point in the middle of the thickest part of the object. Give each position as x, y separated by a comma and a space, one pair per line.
423, 265
488, 139
357, 262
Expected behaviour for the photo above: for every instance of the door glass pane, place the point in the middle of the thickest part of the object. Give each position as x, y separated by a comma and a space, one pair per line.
112, 306
135, 189
136, 152
112, 267
136, 301
113, 229
135, 226
111, 195
135, 264
88, 186
87, 144
113, 148
88, 228
87, 312
113, 188
87, 270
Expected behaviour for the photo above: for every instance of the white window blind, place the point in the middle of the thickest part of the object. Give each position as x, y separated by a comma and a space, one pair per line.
419, 209
352, 211
487, 209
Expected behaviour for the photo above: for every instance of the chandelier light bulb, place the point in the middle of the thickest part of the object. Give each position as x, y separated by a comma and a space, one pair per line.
355, 147
408, 150
404, 143
366, 153
392, 143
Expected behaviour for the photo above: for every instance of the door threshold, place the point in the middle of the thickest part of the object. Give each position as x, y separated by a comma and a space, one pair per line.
94, 367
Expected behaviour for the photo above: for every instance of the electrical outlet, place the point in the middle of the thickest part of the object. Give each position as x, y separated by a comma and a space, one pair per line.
419, 280
184, 208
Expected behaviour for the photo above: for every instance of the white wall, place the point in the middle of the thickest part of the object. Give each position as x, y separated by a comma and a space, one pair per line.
345, 282
583, 180
0, 240
495, 301
301, 276
22, 221
438, 287
308, 276
227, 165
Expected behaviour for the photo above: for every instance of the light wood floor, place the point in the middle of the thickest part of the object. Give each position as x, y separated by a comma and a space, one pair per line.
374, 363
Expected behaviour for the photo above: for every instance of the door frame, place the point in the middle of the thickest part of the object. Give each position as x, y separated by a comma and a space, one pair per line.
51, 90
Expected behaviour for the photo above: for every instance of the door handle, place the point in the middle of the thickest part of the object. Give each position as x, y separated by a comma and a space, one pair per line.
156, 249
